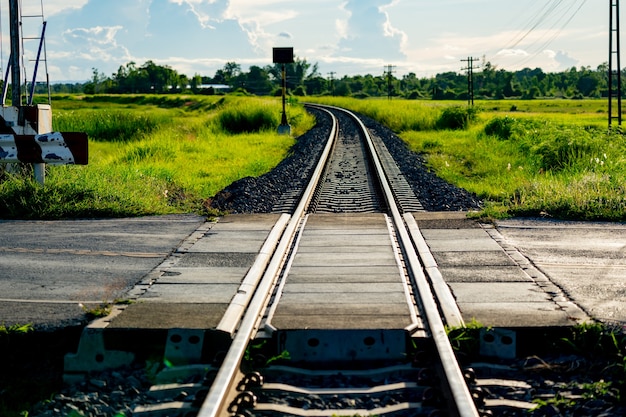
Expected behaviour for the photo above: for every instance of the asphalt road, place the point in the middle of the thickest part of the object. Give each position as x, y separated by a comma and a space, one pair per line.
587, 260
49, 268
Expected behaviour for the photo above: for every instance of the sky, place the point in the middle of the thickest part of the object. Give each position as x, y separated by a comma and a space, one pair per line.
344, 37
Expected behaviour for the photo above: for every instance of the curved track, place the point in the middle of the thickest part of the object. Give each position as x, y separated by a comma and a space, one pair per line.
274, 288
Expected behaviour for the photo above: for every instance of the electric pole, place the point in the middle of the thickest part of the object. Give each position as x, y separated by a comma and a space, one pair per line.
615, 71
470, 79
389, 74
332, 82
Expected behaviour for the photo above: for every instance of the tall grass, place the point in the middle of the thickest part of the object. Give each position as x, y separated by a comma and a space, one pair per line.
398, 115
109, 125
534, 167
534, 158
172, 153
167, 156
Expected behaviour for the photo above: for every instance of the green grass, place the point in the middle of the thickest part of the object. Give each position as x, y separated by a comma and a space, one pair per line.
551, 158
153, 155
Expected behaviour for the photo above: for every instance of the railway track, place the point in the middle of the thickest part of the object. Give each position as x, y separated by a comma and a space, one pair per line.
346, 289
378, 348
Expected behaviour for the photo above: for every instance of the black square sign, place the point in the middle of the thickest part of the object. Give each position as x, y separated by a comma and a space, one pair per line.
283, 55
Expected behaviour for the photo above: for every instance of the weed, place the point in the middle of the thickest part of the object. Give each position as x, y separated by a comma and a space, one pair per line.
16, 329
109, 125
602, 342
97, 311
254, 356
501, 127
466, 339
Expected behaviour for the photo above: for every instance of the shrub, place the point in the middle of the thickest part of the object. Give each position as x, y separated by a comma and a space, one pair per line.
414, 95
561, 147
456, 118
501, 127
248, 119
300, 91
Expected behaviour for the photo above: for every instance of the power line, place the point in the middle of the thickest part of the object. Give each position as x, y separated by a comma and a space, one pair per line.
539, 20
536, 51
554, 13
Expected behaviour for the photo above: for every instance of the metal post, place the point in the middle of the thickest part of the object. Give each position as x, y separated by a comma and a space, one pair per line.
15, 53
284, 118
34, 83
39, 170
615, 74
284, 128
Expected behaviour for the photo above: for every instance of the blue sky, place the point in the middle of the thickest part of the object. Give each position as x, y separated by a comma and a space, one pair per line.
343, 36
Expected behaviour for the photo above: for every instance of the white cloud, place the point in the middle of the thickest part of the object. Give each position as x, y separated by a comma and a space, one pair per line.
96, 35
52, 7
344, 36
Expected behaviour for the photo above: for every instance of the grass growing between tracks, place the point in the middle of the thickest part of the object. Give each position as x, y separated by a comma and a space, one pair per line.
551, 158
153, 155
588, 360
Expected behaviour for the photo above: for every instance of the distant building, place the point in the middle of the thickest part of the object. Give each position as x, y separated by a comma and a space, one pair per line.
217, 87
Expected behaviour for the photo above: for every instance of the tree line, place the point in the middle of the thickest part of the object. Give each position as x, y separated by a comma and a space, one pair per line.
303, 79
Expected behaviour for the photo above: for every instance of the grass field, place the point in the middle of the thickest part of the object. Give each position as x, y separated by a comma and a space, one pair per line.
164, 154
552, 158
154, 154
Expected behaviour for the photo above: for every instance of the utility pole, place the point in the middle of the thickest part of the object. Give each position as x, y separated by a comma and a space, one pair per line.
470, 79
615, 71
14, 60
332, 82
389, 74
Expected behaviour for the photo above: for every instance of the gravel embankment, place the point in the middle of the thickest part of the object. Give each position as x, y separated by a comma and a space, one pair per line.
259, 195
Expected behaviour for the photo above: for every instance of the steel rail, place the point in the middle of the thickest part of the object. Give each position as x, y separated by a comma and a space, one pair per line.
456, 381
224, 379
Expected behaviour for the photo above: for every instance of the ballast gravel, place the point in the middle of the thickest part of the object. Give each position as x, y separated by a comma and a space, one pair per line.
292, 174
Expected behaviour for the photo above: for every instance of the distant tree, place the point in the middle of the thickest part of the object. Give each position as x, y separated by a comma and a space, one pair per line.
257, 81
296, 73
316, 85
195, 83
161, 78
342, 88
304, 78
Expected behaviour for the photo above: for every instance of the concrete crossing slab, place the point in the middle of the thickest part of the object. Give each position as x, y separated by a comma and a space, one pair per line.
190, 293
492, 282
496, 273
357, 260
516, 273
490, 258
498, 292
520, 314
338, 275
208, 275
344, 288
363, 286
332, 299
